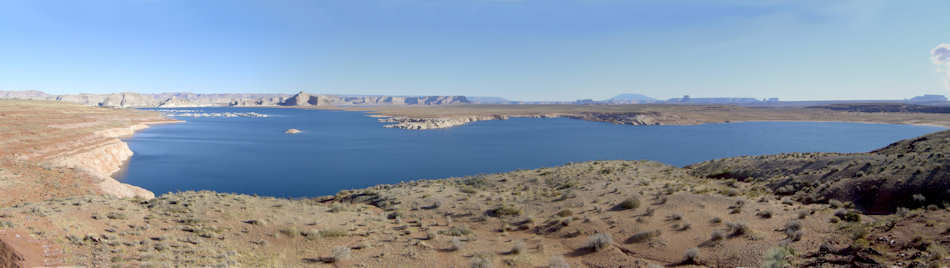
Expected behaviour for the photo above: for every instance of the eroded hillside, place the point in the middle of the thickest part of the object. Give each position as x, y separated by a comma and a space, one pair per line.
911, 173
592, 214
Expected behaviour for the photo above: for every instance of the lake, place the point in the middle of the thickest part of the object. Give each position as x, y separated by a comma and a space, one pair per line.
345, 150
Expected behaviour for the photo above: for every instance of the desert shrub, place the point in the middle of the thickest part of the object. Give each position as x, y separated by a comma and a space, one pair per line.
395, 215
737, 229
558, 262
765, 214
518, 247
431, 235
793, 225
736, 208
848, 215
337, 207
455, 244
793, 235
902, 212
691, 255
504, 210
919, 198
457, 231
468, 190
674, 217
932, 207
786, 190
793, 230
777, 257
116, 216
340, 254
310, 234
482, 260
648, 212
643, 236
629, 203
802, 214
936, 252
716, 235
599, 241
730, 192
331, 233
255, 222
435, 204
289, 232
835, 203
680, 228
715, 220
565, 213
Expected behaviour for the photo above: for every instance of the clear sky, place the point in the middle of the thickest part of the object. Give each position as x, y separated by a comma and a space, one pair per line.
517, 49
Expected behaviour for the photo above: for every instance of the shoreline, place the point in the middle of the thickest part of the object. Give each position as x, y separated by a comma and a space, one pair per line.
437, 120
376, 115
123, 167
106, 159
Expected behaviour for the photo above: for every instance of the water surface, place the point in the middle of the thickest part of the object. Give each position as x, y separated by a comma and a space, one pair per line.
345, 150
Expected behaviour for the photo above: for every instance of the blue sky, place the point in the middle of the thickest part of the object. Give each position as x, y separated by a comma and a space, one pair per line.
518, 49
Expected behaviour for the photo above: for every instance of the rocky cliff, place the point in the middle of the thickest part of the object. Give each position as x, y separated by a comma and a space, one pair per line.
168, 100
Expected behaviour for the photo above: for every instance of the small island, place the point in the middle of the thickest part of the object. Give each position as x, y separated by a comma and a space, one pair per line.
292, 131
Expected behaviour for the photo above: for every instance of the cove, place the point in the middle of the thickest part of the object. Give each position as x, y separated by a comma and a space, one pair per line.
340, 150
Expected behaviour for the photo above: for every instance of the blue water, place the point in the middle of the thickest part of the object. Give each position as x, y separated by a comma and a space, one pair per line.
346, 150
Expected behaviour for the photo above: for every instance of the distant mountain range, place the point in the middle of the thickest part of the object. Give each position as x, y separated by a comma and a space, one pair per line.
303, 99
183, 99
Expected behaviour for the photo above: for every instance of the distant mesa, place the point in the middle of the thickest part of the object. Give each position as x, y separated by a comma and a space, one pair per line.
175, 102
928, 98
631, 99
292, 131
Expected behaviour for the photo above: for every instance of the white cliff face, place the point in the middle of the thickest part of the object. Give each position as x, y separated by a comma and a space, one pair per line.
102, 161
105, 158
